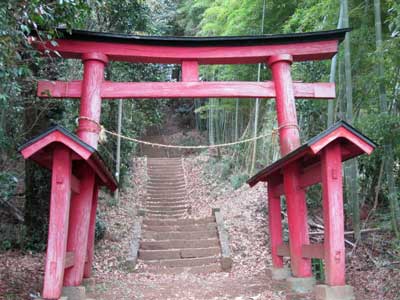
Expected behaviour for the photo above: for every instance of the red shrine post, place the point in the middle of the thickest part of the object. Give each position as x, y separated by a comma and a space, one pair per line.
71, 237
317, 161
289, 138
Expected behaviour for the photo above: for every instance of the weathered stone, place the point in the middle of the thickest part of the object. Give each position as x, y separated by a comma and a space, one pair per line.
326, 292
226, 264
74, 292
89, 284
279, 273
301, 284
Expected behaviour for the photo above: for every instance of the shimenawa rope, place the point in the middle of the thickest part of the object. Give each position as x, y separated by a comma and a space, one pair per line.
102, 137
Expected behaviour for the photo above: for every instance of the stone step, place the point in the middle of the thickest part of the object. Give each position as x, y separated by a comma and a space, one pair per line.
205, 269
178, 253
154, 214
165, 194
165, 167
178, 222
174, 166
166, 208
157, 182
166, 203
164, 170
162, 203
167, 163
167, 217
166, 184
178, 235
166, 199
169, 189
166, 178
172, 244
163, 163
165, 174
187, 262
181, 228
165, 212
164, 158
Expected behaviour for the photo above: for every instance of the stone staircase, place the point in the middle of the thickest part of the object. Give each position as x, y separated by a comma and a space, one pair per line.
171, 241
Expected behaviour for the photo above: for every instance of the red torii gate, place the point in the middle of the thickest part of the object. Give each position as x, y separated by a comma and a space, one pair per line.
96, 49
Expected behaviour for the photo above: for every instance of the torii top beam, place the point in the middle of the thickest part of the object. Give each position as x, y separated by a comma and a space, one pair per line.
204, 50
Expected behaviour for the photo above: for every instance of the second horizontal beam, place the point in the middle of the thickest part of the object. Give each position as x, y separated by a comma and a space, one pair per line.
229, 89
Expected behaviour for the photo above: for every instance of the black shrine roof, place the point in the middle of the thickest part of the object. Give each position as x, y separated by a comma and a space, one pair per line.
252, 40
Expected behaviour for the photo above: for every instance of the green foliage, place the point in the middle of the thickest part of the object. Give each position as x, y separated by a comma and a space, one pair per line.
100, 229
223, 17
318, 269
238, 179
8, 184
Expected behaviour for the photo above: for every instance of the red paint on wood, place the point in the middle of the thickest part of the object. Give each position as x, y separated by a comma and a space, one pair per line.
313, 251
310, 175
275, 226
75, 185
92, 228
333, 215
204, 55
55, 136
81, 205
283, 250
90, 105
343, 133
289, 140
190, 71
297, 221
289, 137
58, 223
69, 260
228, 89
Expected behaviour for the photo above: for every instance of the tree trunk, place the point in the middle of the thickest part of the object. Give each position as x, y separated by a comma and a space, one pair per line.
351, 172
332, 75
237, 119
257, 105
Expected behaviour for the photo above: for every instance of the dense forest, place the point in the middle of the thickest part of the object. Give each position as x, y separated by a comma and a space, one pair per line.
366, 72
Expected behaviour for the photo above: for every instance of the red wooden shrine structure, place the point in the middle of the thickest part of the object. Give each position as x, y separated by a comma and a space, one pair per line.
78, 171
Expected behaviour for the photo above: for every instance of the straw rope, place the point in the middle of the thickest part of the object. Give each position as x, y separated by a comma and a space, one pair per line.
104, 131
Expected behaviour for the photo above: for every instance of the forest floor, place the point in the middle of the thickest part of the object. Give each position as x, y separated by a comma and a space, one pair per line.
244, 212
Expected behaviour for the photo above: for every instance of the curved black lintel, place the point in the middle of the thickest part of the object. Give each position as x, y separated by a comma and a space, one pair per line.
267, 39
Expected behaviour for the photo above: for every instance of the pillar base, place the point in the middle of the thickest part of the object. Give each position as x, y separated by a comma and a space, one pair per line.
279, 273
89, 284
74, 292
326, 292
301, 285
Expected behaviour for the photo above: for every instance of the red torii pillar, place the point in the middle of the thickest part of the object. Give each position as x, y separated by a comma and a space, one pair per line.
81, 228
289, 139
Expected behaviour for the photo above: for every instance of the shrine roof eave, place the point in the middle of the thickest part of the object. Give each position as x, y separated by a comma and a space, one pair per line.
39, 149
353, 140
215, 41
